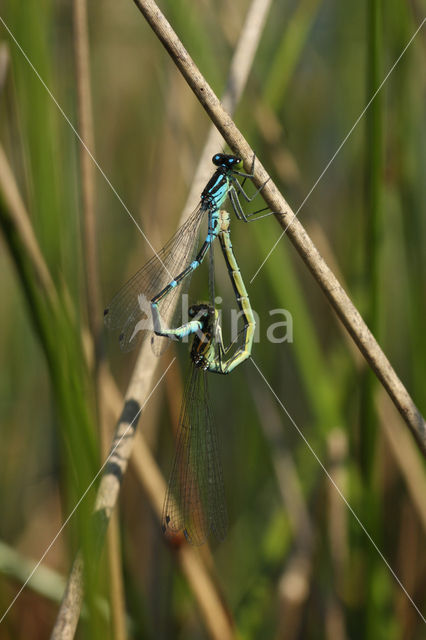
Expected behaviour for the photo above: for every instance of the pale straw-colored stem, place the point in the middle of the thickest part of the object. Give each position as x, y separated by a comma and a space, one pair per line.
93, 296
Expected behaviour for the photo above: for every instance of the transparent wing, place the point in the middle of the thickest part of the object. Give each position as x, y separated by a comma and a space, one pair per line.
195, 498
130, 308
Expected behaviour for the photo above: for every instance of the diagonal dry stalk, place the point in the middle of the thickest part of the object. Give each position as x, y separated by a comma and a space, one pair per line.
328, 282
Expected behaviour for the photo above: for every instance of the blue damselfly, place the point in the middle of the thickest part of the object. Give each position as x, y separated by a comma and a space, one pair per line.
159, 280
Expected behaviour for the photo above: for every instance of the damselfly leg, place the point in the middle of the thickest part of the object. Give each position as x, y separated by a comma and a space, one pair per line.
237, 188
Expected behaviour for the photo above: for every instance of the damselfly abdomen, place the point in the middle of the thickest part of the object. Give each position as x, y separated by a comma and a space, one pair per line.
195, 498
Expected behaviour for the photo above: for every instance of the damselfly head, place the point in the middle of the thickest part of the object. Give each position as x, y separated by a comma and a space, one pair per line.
225, 160
201, 311
202, 343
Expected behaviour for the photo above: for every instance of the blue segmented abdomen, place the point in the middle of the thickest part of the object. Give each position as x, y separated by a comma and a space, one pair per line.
213, 228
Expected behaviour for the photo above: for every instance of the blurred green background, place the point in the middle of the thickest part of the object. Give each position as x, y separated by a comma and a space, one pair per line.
295, 563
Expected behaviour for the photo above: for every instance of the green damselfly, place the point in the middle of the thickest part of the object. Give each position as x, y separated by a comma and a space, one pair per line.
195, 498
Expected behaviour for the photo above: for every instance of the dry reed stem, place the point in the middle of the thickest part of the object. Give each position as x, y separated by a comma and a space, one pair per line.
405, 454
65, 627
18, 216
334, 620
4, 64
93, 296
337, 529
410, 550
87, 169
115, 577
335, 293
293, 591
337, 445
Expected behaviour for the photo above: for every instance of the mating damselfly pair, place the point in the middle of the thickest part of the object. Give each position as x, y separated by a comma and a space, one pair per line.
194, 501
